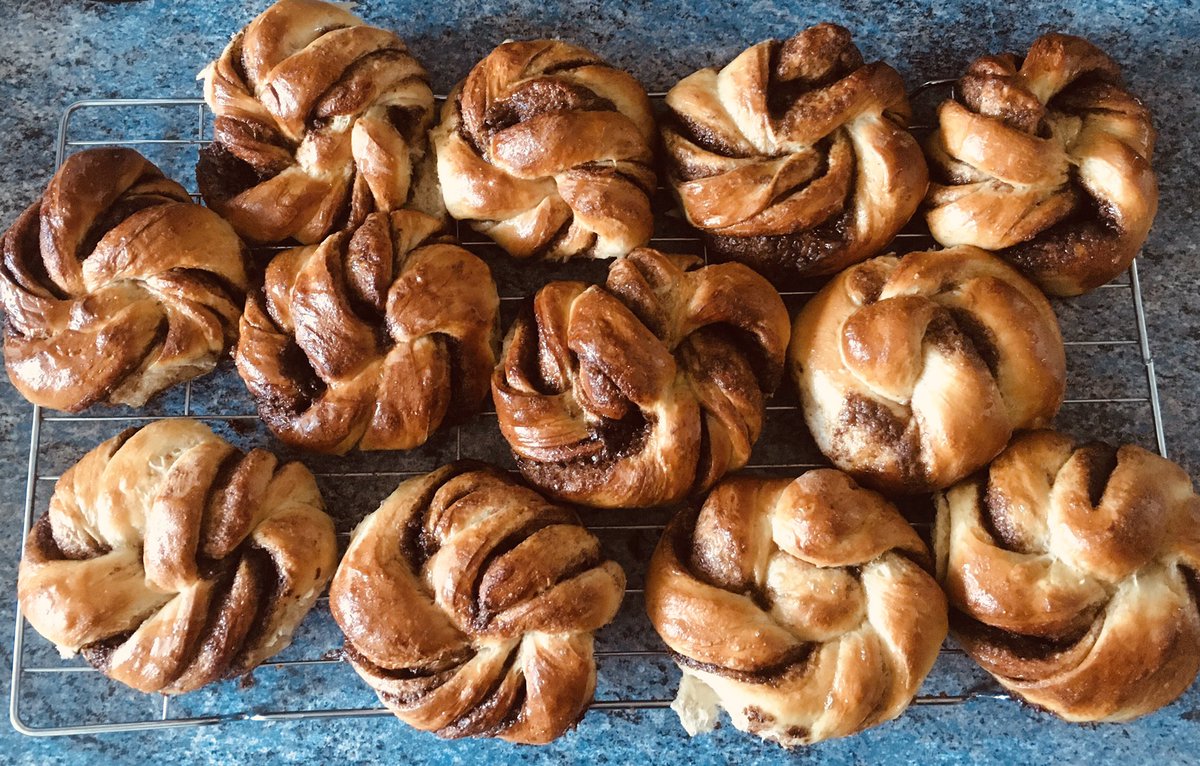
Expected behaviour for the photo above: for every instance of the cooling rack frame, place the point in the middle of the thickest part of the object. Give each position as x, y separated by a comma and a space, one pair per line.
1130, 289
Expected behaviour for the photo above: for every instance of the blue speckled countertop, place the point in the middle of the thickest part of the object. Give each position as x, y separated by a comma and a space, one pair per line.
52, 54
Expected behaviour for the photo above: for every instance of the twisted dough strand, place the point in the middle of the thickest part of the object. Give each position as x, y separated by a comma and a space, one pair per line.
171, 559
1072, 571
800, 603
115, 285
1045, 161
468, 602
644, 390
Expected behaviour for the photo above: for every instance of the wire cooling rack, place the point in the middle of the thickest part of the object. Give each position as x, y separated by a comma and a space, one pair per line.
1112, 393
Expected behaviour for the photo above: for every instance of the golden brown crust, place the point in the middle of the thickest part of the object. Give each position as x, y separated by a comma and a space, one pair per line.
795, 158
320, 120
644, 390
469, 601
915, 372
547, 150
802, 603
170, 559
375, 338
1045, 161
1073, 571
115, 285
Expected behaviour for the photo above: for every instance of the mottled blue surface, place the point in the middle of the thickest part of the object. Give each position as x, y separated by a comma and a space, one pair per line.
52, 54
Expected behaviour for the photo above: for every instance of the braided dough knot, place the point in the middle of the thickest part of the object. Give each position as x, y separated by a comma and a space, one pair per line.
1047, 162
1073, 569
170, 559
375, 338
796, 605
914, 372
646, 389
320, 120
547, 150
469, 601
794, 157
115, 285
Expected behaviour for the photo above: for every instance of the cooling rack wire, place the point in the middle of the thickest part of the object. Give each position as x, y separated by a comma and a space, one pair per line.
630, 651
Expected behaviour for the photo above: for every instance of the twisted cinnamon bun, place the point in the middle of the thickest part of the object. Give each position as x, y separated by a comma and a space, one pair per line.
915, 372
1072, 571
1046, 161
794, 158
115, 285
375, 338
800, 606
320, 120
644, 390
170, 559
547, 150
469, 601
